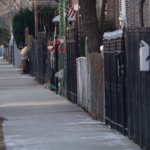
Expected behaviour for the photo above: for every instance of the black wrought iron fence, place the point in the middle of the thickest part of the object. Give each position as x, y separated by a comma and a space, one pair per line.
52, 71
138, 88
114, 84
11, 55
72, 54
47, 76
45, 19
38, 59
127, 89
32, 68
33, 58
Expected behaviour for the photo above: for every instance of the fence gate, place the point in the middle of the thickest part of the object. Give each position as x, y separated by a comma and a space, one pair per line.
12, 55
115, 114
35, 58
52, 71
72, 54
45, 19
41, 59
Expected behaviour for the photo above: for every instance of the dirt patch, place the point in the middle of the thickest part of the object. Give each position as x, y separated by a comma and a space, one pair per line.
2, 144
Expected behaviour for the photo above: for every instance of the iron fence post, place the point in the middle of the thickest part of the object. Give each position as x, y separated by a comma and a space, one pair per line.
56, 67
88, 76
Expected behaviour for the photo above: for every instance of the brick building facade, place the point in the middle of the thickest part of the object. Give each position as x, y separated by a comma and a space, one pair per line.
121, 8
114, 9
129, 9
146, 12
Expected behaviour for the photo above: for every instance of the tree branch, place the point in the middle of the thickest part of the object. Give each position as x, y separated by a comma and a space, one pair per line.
141, 4
2, 2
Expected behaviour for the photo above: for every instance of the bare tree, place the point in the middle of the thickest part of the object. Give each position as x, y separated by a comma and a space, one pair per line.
2, 1
90, 23
141, 5
7, 10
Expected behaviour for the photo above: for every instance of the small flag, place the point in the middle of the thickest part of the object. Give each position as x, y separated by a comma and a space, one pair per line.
71, 12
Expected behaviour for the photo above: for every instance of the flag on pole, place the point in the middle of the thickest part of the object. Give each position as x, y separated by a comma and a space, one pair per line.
71, 12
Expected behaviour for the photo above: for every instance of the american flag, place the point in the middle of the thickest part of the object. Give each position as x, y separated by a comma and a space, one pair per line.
71, 12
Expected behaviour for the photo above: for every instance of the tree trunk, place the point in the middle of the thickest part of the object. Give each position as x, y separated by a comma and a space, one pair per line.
141, 4
102, 19
90, 23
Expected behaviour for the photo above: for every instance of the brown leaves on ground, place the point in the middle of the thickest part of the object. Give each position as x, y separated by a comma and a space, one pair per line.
2, 144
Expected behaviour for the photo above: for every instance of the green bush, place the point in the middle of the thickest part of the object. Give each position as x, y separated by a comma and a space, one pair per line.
4, 36
21, 20
82, 47
109, 25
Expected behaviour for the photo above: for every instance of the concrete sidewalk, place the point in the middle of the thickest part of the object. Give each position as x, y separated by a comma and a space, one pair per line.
38, 119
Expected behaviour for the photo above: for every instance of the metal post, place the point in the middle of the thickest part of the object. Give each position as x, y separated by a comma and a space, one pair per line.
88, 76
36, 18
56, 67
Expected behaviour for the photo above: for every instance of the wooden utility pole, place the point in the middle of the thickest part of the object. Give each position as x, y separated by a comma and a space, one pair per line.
36, 18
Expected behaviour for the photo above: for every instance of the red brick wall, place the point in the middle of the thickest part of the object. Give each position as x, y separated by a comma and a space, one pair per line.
114, 8
74, 2
110, 9
130, 12
117, 12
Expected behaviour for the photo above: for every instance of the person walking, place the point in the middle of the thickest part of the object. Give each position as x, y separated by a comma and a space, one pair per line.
24, 57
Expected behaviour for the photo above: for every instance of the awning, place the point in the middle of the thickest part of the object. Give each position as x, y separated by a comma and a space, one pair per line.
57, 19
